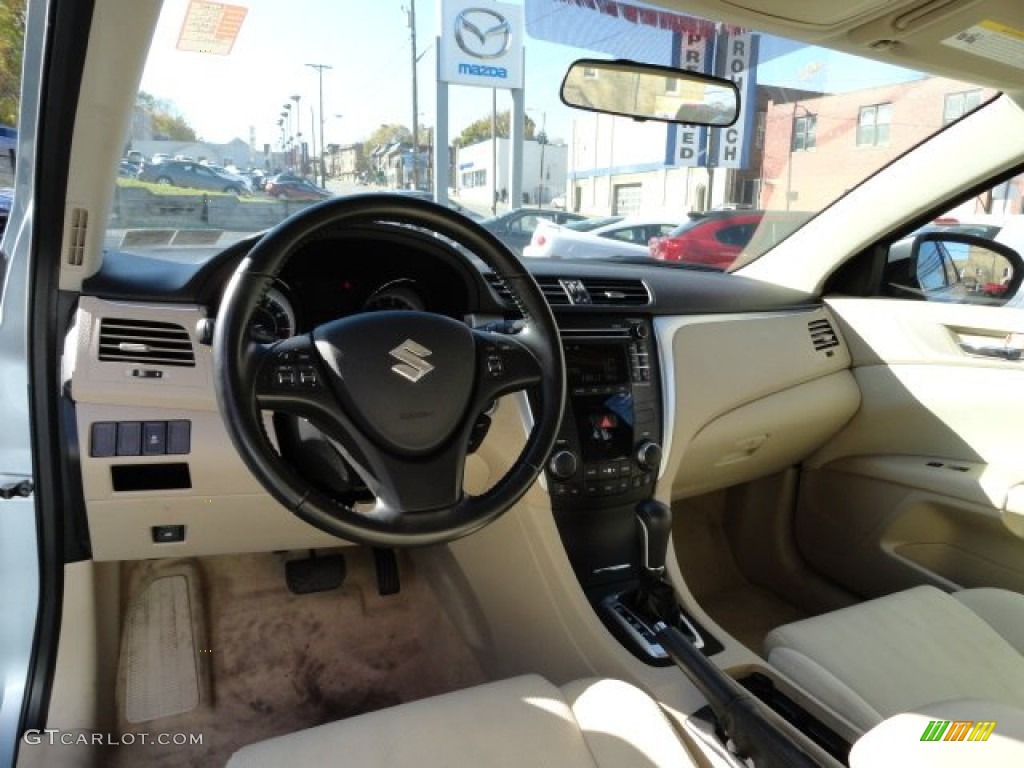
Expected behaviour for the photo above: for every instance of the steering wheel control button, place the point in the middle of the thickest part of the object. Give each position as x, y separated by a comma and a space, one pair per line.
495, 366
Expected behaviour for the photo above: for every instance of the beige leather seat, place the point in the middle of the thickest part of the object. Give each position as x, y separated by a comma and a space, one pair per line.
516, 722
905, 651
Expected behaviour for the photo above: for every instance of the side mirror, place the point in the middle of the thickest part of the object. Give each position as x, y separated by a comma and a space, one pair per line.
964, 269
651, 92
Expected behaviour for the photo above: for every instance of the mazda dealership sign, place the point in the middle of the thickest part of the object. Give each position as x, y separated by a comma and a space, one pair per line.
481, 43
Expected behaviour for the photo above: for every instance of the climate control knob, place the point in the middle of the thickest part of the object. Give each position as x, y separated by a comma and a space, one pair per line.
648, 455
563, 465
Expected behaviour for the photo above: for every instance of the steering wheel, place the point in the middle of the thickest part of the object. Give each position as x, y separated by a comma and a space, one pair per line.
397, 391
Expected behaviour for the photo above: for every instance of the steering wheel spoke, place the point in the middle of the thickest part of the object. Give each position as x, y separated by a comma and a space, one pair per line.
504, 364
288, 376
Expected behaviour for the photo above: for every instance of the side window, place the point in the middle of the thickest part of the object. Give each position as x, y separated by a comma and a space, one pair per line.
625, 235
738, 234
525, 224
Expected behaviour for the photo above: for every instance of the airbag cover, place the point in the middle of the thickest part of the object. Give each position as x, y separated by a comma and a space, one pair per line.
405, 378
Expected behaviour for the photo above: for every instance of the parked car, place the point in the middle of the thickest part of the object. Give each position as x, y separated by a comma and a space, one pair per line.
193, 175
617, 237
292, 188
160, 157
126, 169
515, 227
717, 238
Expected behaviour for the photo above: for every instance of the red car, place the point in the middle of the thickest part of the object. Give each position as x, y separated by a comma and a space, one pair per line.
716, 238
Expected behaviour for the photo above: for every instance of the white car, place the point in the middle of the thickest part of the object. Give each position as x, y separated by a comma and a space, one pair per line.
612, 237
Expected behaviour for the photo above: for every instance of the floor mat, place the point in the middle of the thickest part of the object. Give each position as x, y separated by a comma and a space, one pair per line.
160, 670
281, 662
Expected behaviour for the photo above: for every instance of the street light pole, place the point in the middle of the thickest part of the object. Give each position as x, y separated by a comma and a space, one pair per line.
320, 72
415, 100
542, 139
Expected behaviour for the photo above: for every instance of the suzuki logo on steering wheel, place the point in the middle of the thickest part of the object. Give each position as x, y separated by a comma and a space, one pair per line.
412, 366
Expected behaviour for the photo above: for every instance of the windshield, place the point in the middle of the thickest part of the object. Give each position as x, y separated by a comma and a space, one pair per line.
250, 111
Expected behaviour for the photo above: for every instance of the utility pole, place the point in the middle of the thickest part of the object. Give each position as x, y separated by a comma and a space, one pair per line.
415, 101
298, 136
323, 170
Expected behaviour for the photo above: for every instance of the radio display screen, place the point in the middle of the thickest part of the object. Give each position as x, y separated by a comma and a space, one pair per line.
604, 419
600, 365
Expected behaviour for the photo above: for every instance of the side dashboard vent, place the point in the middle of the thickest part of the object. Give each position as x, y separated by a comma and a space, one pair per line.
551, 287
499, 287
78, 230
145, 341
823, 335
617, 293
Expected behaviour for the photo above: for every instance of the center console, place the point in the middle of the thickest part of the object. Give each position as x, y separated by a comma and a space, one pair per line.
609, 447
602, 475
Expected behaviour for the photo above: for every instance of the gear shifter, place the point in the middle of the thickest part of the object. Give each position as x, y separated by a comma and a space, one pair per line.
654, 520
654, 597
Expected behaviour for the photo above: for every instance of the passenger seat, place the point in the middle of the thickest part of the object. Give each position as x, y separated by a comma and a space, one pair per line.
903, 652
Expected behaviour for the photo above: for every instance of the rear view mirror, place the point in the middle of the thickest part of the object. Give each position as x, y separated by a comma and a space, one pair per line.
651, 92
964, 269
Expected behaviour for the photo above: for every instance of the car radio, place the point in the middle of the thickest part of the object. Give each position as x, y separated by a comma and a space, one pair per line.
609, 446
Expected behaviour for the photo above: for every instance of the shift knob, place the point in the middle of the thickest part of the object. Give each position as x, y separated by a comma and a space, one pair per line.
654, 520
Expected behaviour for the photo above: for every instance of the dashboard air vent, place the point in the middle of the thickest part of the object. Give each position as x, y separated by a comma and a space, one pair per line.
554, 291
617, 293
823, 336
145, 341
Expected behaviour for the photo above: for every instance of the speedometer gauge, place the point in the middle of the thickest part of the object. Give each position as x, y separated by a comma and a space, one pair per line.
273, 319
398, 294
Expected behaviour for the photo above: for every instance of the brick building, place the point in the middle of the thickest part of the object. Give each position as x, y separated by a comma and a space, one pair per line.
817, 148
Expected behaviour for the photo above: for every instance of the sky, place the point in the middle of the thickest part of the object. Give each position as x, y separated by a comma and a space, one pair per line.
368, 47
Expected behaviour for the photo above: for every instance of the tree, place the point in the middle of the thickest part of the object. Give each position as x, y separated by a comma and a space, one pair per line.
480, 130
388, 134
12, 40
167, 122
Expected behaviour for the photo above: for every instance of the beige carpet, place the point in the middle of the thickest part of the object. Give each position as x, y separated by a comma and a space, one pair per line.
281, 662
743, 609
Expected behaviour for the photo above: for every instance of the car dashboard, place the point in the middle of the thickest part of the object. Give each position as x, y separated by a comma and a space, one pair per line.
645, 414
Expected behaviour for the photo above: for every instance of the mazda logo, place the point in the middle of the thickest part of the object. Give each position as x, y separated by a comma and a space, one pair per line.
483, 33
412, 365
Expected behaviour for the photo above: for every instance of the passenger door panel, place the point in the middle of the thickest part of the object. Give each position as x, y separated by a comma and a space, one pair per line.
926, 482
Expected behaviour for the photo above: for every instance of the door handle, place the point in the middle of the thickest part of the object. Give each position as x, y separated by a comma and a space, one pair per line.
1005, 352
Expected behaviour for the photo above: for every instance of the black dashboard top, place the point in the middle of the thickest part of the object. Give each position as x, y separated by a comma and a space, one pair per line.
391, 265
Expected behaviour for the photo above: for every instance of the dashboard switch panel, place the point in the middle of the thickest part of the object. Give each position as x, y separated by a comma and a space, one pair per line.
137, 438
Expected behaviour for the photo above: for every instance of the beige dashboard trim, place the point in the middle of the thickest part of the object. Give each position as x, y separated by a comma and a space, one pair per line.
746, 395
